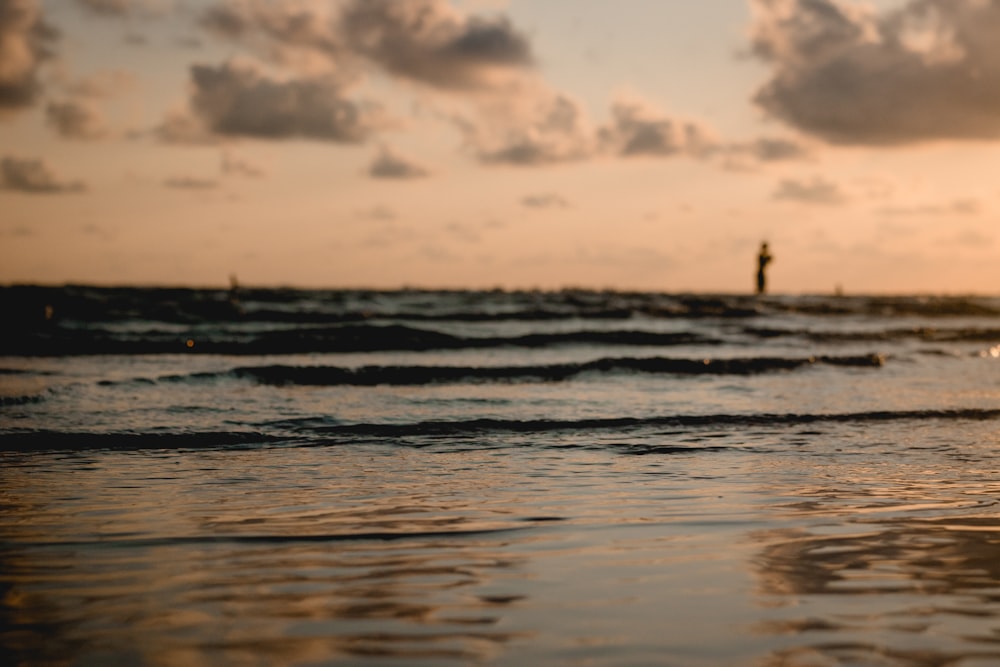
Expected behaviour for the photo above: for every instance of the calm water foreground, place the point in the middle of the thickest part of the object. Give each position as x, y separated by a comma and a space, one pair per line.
622, 482
873, 547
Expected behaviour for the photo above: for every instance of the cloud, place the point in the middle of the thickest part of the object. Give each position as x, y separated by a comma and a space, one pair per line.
124, 8
426, 41
636, 129
238, 100
430, 42
928, 70
189, 42
24, 40
556, 129
390, 164
770, 149
545, 200
190, 183
469, 232
181, 127
466, 233
480, 70
528, 126
958, 207
378, 212
75, 119
33, 176
233, 166
108, 7
133, 38
972, 238
815, 191
299, 34
103, 84
748, 155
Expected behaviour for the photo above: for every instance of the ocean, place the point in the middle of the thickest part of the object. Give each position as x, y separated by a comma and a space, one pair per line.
576, 477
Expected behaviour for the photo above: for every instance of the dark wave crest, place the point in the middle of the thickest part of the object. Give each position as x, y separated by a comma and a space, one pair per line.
277, 539
27, 305
345, 338
923, 334
22, 399
320, 432
626, 424
423, 375
63, 440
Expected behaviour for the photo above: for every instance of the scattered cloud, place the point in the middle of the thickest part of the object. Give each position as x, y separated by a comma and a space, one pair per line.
76, 119
24, 44
126, 8
108, 7
189, 42
234, 166
18, 232
301, 35
390, 164
505, 112
102, 84
637, 129
133, 38
534, 126
33, 176
528, 126
770, 149
545, 200
815, 191
928, 70
181, 127
876, 188
191, 183
473, 232
958, 207
430, 42
239, 100
750, 155
378, 212
971, 238
425, 41
466, 233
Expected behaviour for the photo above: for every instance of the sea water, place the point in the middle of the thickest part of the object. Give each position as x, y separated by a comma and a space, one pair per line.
292, 477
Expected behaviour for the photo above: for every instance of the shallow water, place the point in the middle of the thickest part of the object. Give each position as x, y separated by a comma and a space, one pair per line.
162, 508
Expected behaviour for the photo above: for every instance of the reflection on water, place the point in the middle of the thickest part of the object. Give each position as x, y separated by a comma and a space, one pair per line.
767, 548
222, 559
891, 563
923, 594
291, 603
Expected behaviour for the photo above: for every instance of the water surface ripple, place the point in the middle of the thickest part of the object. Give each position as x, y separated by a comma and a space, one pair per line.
294, 477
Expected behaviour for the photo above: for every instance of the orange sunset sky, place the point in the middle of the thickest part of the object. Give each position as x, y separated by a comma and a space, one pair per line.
630, 144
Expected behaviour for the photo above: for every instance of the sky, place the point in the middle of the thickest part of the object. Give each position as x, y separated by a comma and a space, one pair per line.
622, 144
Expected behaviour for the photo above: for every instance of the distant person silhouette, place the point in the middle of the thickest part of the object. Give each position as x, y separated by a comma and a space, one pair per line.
763, 259
234, 294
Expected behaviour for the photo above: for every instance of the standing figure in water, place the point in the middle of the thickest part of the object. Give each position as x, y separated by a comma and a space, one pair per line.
763, 259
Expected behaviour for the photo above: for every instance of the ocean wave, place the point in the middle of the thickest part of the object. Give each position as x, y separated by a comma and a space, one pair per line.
23, 399
352, 338
74, 440
478, 433
923, 334
278, 539
424, 375
346, 338
30, 307
632, 424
